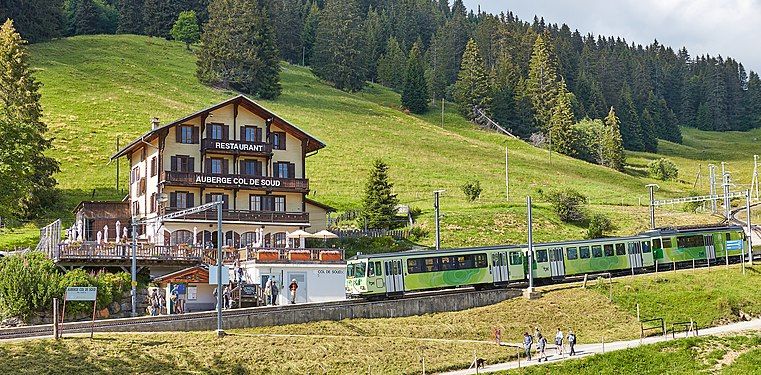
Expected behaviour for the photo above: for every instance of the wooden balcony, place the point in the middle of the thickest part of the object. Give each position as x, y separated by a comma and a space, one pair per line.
235, 181
233, 147
121, 254
248, 216
292, 255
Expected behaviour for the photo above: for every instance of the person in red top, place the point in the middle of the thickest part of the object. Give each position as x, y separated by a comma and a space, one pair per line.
293, 288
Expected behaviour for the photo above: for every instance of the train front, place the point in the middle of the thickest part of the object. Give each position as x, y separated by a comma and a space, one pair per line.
356, 278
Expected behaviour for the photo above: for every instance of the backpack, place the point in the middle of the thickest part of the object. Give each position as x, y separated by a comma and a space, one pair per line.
572, 338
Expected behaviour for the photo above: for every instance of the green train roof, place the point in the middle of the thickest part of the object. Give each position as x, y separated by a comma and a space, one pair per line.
644, 235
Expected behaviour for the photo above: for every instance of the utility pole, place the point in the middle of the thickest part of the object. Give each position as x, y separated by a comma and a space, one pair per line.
436, 208
133, 291
652, 188
507, 176
750, 228
727, 202
754, 184
220, 238
117, 167
698, 177
712, 181
529, 292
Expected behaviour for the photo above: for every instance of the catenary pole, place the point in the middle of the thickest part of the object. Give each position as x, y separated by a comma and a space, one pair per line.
750, 228
438, 227
651, 188
220, 332
530, 246
507, 176
133, 291
712, 181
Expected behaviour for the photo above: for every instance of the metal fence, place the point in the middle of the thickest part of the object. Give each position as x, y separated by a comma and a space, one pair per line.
357, 233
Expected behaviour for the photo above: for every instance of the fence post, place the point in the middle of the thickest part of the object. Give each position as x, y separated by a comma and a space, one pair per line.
55, 318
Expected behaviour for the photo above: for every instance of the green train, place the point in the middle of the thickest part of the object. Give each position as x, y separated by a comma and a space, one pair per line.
389, 274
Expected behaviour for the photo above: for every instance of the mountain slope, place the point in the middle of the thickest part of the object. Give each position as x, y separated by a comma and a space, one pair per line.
98, 88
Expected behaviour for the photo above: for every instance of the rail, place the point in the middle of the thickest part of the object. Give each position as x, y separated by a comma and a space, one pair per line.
113, 251
688, 327
280, 255
661, 327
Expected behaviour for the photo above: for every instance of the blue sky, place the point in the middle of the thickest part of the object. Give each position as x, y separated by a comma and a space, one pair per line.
725, 27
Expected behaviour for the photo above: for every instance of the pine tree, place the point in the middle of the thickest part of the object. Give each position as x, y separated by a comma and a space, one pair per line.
86, 17
338, 51
288, 24
415, 93
611, 144
379, 205
186, 28
374, 41
389, 73
630, 121
753, 102
472, 89
159, 16
37, 20
130, 17
26, 174
561, 123
238, 49
309, 34
543, 82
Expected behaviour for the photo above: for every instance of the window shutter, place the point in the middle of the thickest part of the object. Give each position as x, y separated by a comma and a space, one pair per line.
207, 167
243, 133
178, 134
225, 132
291, 170
191, 165
225, 204
174, 164
258, 168
242, 167
195, 134
208, 130
225, 166
172, 199
208, 198
258, 132
191, 200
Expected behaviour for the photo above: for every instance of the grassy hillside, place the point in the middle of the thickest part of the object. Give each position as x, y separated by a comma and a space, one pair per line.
100, 88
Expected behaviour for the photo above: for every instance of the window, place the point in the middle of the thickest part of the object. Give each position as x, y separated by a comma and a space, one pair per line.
690, 241
633, 247
378, 269
181, 199
248, 238
216, 166
556, 254
251, 167
279, 205
217, 197
255, 202
359, 269
657, 244
515, 258
729, 236
541, 256
349, 271
278, 140
620, 249
584, 252
136, 207
182, 163
608, 249
448, 263
251, 134
572, 253
645, 246
187, 134
267, 203
370, 270
153, 202
216, 131
154, 166
284, 169
280, 241
597, 251
667, 243
181, 236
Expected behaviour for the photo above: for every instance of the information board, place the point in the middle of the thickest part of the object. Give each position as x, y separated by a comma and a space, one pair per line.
81, 293
213, 275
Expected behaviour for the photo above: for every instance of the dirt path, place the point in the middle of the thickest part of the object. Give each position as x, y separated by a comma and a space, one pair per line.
584, 350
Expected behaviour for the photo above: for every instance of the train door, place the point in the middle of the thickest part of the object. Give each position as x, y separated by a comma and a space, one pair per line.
500, 265
647, 254
394, 278
557, 268
710, 249
635, 255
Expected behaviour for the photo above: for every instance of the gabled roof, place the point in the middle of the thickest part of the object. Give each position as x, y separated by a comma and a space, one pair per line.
195, 274
312, 143
320, 205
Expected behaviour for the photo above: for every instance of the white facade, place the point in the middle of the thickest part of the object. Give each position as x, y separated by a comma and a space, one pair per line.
318, 282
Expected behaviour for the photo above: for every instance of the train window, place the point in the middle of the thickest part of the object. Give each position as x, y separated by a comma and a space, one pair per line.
481, 260
378, 269
620, 249
448, 263
597, 251
370, 270
729, 236
657, 243
608, 250
645, 246
690, 241
467, 261
350, 271
515, 258
430, 265
572, 253
556, 254
359, 270
541, 256
395, 268
584, 252
414, 265
666, 243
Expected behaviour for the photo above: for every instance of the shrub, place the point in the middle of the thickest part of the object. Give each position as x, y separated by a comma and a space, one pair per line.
417, 233
568, 205
472, 190
28, 283
663, 169
111, 287
598, 225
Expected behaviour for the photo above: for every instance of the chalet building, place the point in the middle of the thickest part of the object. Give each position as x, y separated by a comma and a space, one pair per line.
237, 152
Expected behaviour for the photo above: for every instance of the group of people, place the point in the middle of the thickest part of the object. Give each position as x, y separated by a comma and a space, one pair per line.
157, 303
271, 291
227, 296
541, 343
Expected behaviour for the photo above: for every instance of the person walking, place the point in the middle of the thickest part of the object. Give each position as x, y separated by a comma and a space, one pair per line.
541, 344
527, 342
292, 288
226, 298
275, 292
559, 342
268, 291
571, 342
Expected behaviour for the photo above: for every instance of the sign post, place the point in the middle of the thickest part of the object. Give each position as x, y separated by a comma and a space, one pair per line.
80, 293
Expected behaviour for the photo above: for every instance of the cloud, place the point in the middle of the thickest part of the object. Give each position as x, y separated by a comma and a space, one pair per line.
727, 28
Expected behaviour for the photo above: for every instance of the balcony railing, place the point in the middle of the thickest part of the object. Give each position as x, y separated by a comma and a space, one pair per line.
281, 255
234, 147
115, 252
243, 215
235, 181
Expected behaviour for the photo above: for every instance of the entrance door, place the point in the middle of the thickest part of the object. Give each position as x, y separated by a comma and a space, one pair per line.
557, 267
301, 293
500, 264
710, 249
635, 255
394, 278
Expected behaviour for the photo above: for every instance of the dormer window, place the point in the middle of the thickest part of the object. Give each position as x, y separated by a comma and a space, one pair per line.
217, 131
278, 140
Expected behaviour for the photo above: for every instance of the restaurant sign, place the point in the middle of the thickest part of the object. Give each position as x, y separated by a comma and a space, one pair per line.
238, 180
237, 146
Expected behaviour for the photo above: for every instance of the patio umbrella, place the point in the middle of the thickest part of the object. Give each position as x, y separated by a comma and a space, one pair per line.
300, 235
79, 230
325, 234
195, 235
105, 233
118, 226
100, 237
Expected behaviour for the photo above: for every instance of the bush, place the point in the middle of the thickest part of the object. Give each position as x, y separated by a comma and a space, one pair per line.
111, 287
472, 190
417, 233
568, 205
598, 225
28, 284
663, 169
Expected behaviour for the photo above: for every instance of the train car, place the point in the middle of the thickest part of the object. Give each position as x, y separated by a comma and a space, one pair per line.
710, 244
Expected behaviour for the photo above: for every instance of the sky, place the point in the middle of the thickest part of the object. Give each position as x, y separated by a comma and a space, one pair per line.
720, 27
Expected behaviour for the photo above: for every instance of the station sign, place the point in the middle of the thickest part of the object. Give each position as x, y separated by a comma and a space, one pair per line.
735, 245
238, 180
81, 293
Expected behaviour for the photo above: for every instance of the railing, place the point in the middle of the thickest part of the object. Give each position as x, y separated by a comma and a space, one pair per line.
236, 181
236, 147
113, 251
356, 233
242, 215
279, 255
